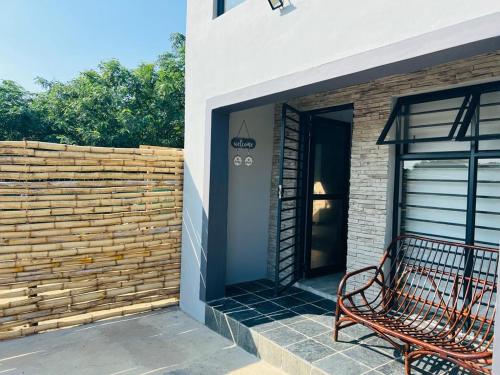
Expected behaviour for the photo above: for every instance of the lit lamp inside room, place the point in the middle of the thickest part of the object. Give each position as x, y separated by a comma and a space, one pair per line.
275, 4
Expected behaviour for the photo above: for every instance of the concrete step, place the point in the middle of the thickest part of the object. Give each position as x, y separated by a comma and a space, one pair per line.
292, 332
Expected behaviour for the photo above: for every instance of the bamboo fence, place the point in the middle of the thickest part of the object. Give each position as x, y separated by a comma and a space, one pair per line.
86, 233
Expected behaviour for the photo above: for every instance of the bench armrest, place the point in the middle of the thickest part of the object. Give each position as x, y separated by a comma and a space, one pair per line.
353, 273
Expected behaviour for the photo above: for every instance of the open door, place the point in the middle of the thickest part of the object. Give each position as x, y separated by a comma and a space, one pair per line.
328, 197
291, 199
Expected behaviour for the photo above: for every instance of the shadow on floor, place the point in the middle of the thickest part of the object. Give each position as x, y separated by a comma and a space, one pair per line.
294, 332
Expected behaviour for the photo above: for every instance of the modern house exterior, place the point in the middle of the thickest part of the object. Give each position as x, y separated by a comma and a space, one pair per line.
318, 131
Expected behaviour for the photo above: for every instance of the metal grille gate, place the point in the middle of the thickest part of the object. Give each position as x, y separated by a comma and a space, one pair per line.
291, 199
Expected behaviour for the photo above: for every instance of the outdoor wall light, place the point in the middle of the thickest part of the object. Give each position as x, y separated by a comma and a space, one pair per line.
275, 4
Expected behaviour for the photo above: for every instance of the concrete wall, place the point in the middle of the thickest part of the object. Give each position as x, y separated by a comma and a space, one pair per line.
251, 43
248, 197
252, 52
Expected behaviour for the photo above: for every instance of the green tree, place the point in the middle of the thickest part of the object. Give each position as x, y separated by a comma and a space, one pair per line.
109, 106
17, 121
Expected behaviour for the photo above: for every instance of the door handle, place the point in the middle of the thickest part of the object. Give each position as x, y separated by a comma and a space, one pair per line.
280, 191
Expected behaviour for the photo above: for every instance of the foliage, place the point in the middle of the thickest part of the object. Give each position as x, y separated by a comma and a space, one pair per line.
110, 106
17, 120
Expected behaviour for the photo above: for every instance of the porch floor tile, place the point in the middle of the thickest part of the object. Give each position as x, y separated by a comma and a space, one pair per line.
310, 328
294, 332
284, 336
248, 298
310, 350
267, 307
341, 364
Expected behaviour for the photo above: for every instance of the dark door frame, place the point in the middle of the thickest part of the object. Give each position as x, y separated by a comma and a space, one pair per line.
311, 197
308, 116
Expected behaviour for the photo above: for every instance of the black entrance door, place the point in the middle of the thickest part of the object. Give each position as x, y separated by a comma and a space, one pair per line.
313, 185
291, 199
328, 196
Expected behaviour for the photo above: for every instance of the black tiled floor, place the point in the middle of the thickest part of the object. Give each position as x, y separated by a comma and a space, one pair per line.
267, 307
291, 291
325, 304
248, 299
261, 323
266, 282
300, 324
308, 297
226, 305
251, 286
309, 310
243, 314
287, 317
267, 293
234, 291
288, 301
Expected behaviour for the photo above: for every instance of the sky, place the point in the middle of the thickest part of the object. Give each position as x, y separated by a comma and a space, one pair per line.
57, 39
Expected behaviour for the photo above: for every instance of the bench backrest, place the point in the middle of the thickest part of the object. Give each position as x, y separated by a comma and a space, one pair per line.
449, 287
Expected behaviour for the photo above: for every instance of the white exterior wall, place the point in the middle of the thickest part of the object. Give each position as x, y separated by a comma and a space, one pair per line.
260, 52
248, 197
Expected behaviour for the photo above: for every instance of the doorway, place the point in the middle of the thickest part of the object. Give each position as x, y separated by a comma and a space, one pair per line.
328, 196
313, 194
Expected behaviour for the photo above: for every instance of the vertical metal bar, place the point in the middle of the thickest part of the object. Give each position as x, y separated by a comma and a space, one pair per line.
471, 210
280, 202
397, 186
396, 205
308, 194
306, 179
472, 187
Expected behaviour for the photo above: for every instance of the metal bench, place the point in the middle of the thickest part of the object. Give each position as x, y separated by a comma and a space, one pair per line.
427, 297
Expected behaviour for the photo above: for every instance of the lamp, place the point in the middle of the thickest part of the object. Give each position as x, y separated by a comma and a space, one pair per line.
275, 4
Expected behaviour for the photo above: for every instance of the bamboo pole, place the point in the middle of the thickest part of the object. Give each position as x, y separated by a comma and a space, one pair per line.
86, 233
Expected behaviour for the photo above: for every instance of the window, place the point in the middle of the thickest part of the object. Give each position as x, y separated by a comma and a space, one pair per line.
487, 228
434, 198
448, 164
484, 122
423, 119
224, 5
461, 114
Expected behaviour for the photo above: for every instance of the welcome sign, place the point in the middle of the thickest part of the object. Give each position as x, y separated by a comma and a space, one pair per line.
247, 143
243, 143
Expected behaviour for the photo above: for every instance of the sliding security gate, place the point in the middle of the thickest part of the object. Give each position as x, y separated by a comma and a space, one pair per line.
291, 199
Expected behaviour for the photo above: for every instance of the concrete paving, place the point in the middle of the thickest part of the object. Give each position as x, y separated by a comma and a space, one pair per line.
163, 342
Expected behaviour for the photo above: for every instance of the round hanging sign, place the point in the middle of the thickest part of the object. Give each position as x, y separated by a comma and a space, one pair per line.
237, 160
248, 161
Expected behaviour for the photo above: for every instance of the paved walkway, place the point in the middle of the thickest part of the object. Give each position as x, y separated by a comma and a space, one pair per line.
163, 342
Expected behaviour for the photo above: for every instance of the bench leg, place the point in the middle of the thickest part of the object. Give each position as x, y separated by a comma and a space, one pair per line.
407, 355
336, 324
412, 356
407, 364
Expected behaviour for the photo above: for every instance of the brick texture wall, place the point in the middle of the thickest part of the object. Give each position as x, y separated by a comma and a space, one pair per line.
371, 181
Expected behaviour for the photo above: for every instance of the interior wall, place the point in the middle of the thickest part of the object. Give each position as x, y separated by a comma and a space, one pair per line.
248, 197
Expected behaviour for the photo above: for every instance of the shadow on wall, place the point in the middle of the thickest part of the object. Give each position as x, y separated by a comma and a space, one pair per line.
199, 282
193, 256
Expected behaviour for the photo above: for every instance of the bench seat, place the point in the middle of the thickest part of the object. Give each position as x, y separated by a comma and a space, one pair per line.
427, 297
